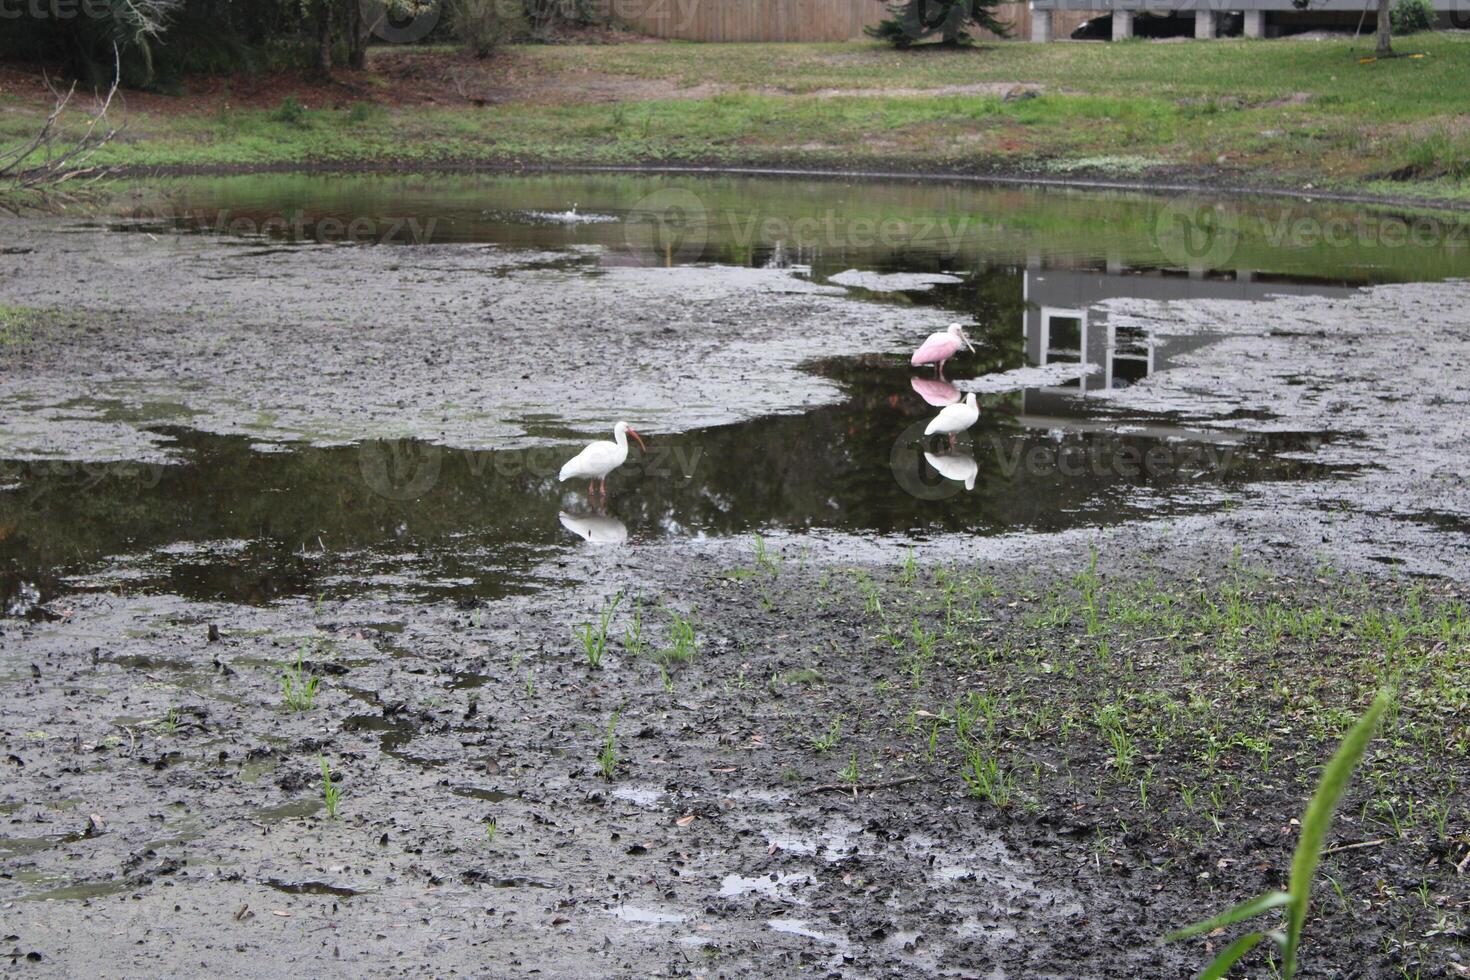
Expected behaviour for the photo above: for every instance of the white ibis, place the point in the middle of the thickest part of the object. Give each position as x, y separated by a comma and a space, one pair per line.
600, 458
595, 528
954, 419
941, 346
955, 466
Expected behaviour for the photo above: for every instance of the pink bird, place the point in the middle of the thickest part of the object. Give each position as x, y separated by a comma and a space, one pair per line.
940, 347
935, 392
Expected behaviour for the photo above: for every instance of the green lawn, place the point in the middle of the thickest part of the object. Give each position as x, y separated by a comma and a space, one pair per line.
1283, 113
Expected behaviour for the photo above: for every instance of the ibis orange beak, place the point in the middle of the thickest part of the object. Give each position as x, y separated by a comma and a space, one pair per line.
638, 437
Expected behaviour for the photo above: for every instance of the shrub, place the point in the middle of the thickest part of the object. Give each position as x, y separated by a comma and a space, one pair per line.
289, 111
1412, 16
482, 25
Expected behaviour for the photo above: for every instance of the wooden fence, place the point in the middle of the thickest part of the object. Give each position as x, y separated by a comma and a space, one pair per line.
782, 20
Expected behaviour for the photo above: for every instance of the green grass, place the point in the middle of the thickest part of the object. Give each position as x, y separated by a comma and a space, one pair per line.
594, 637
608, 757
298, 685
1315, 823
1289, 112
22, 326
824, 741
1197, 732
331, 792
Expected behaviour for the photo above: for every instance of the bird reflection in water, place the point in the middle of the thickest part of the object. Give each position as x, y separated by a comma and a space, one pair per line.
935, 391
956, 465
595, 528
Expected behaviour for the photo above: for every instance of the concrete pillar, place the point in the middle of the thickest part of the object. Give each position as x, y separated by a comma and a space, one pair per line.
1040, 25
1206, 24
1255, 23
1122, 24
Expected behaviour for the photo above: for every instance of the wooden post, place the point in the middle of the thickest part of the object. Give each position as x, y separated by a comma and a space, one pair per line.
1122, 24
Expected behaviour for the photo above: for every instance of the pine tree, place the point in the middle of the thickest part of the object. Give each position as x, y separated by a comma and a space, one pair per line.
911, 21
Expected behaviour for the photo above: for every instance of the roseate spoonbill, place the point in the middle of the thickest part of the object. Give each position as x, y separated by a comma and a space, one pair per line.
595, 528
935, 392
600, 458
955, 466
940, 347
954, 419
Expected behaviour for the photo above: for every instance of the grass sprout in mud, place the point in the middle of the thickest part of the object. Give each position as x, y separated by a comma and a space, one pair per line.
594, 638
1314, 823
331, 792
607, 757
298, 685
683, 639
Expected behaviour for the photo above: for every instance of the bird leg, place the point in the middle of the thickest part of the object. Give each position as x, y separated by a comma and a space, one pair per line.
939, 369
952, 437
589, 487
602, 484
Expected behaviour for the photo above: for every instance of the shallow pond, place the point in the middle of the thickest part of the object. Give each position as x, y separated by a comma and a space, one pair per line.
1030, 273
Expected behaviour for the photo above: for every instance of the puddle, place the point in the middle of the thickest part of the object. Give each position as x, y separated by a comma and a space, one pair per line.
11, 847
244, 519
802, 928
488, 795
775, 886
80, 892
647, 797
311, 888
288, 811
629, 913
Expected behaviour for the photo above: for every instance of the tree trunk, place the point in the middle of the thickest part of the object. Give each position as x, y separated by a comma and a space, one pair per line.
357, 37
324, 36
1385, 41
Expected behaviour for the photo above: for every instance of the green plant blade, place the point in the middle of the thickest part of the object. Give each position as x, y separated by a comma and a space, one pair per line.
1245, 910
1229, 956
1318, 820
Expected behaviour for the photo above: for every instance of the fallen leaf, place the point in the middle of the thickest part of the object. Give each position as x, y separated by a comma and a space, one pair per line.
685, 820
281, 912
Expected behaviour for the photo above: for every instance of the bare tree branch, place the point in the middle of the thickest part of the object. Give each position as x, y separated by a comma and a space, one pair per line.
52, 157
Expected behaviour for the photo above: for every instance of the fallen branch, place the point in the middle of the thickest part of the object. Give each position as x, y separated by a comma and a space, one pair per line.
1354, 847
855, 787
20, 169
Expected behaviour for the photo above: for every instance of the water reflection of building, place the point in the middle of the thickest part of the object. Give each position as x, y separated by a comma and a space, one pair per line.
1064, 323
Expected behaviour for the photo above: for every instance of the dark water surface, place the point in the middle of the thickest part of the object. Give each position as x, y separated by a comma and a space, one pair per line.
1025, 270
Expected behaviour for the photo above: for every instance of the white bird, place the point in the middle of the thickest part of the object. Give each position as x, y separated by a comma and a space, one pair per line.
600, 458
596, 528
955, 466
954, 419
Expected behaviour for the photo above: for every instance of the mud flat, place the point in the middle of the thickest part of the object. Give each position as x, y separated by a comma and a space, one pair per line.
844, 747
465, 346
